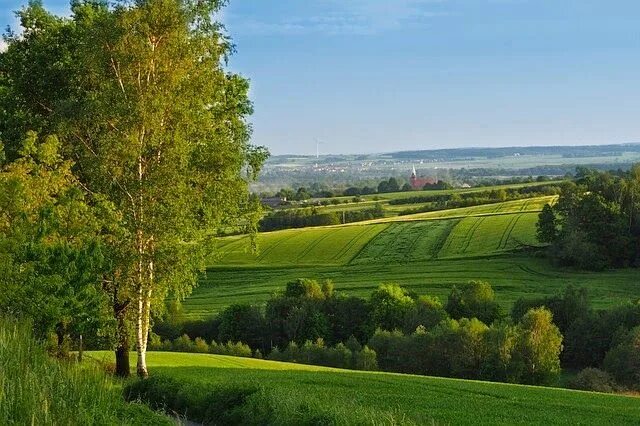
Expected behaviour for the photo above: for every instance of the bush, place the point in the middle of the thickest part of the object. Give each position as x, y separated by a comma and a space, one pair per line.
316, 353
593, 379
220, 405
623, 361
182, 344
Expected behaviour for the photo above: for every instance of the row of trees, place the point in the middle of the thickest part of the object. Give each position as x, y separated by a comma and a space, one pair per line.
397, 329
527, 352
469, 335
125, 147
596, 222
302, 218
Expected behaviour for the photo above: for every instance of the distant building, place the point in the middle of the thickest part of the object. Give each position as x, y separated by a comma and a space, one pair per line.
273, 202
419, 182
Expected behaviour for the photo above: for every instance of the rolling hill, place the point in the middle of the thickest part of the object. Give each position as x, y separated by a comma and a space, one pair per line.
426, 252
295, 392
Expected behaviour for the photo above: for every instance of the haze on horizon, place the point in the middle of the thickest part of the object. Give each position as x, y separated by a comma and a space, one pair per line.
368, 76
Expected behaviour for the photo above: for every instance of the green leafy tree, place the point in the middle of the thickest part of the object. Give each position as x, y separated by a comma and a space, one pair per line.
538, 347
623, 361
546, 228
390, 304
475, 300
243, 323
156, 126
427, 312
50, 251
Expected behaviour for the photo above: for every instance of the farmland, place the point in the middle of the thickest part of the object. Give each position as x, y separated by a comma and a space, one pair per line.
297, 390
338, 245
426, 252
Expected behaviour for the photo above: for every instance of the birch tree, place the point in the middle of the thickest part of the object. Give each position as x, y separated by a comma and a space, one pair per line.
158, 128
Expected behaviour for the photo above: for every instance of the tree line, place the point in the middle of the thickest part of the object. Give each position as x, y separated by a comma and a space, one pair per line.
302, 218
596, 222
468, 336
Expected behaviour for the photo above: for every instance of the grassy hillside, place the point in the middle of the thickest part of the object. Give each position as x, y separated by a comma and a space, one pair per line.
511, 277
293, 393
426, 252
339, 245
38, 390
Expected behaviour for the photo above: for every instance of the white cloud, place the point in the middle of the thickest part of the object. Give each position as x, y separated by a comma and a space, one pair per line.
3, 45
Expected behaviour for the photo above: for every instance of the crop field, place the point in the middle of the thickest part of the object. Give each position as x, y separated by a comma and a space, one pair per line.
393, 398
405, 242
511, 276
488, 229
368, 201
428, 256
516, 206
309, 246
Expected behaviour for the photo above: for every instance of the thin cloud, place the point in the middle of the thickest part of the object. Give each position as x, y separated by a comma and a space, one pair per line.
347, 17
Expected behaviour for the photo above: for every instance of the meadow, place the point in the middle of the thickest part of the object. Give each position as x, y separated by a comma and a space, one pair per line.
426, 252
298, 394
36, 389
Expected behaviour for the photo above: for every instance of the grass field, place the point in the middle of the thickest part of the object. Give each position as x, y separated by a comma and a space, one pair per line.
511, 277
367, 201
427, 252
385, 398
339, 245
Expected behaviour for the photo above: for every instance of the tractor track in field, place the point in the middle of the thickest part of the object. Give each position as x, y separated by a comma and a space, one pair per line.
531, 271
351, 243
471, 232
282, 239
513, 224
444, 236
367, 244
506, 233
313, 244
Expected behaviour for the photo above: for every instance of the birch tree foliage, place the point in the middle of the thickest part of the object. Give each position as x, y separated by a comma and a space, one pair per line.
164, 134
155, 125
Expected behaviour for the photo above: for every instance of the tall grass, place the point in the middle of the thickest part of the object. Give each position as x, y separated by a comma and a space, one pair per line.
38, 390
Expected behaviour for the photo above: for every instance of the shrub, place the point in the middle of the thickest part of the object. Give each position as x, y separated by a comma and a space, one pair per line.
623, 361
200, 346
366, 360
182, 344
593, 379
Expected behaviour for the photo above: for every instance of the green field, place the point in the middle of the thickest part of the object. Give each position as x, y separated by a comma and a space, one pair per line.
426, 252
511, 277
339, 245
386, 398
367, 201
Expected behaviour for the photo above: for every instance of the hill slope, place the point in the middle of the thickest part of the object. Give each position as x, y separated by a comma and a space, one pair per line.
384, 397
426, 252
504, 227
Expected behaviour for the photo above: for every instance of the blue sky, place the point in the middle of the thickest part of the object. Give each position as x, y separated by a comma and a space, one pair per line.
386, 75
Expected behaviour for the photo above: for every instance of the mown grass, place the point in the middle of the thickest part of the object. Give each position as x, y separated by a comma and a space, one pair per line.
38, 390
280, 393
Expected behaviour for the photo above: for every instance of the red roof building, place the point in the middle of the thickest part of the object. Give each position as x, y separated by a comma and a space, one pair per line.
419, 182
